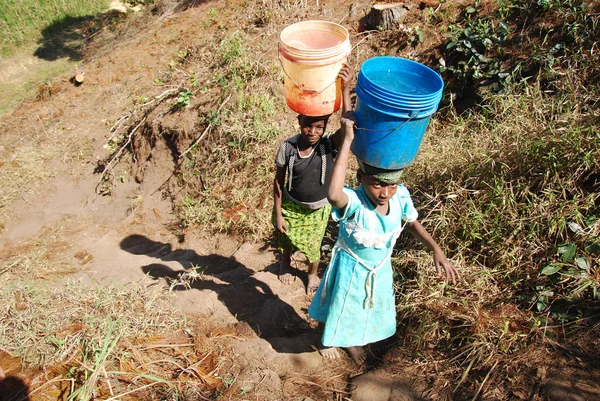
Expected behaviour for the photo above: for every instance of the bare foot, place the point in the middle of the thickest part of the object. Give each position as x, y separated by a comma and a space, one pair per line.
329, 352
357, 354
285, 273
313, 284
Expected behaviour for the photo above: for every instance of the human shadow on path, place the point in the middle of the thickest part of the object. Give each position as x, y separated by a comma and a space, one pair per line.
13, 388
247, 298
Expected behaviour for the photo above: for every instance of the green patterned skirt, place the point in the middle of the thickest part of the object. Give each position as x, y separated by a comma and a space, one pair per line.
306, 228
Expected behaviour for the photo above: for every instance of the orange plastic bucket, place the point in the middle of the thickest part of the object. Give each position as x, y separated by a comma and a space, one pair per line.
311, 55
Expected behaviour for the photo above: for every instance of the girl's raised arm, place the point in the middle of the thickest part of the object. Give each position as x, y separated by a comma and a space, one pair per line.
335, 193
345, 75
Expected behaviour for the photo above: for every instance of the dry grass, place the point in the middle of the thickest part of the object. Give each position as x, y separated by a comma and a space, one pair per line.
20, 177
41, 313
501, 189
90, 340
99, 341
326, 383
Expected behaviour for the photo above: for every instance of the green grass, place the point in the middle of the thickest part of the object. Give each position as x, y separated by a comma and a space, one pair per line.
23, 75
40, 40
22, 22
507, 191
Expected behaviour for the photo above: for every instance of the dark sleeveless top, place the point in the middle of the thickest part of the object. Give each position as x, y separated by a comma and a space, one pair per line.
307, 177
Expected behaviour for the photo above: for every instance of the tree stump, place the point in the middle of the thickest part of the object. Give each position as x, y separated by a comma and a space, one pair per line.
384, 16
78, 77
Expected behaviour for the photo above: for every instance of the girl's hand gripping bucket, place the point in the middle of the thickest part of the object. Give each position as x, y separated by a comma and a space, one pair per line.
312, 54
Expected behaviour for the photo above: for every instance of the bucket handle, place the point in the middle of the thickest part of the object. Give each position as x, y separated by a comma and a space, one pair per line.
294, 82
413, 114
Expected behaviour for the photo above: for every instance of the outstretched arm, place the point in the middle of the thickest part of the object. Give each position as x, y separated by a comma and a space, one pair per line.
419, 232
335, 193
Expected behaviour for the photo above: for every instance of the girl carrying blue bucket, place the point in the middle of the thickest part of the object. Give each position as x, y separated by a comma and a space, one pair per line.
355, 299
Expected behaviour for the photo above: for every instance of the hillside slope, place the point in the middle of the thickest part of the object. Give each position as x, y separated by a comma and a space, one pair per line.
136, 257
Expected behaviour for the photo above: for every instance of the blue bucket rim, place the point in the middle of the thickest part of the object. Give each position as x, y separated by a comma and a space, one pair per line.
386, 94
377, 89
397, 108
406, 113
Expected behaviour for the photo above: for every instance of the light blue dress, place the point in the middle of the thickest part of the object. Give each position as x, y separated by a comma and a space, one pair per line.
355, 299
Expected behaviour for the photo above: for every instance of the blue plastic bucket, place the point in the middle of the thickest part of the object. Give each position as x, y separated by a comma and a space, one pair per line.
395, 100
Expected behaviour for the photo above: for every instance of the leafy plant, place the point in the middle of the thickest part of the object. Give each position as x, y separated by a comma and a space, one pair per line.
184, 99
577, 265
234, 64
416, 36
473, 52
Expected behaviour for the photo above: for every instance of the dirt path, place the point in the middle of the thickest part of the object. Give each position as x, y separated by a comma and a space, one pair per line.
234, 282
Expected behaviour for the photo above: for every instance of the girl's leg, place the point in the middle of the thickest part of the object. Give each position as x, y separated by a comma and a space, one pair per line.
285, 266
326, 352
358, 354
313, 279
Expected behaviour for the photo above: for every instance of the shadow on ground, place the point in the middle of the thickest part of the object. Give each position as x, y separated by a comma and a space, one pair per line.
248, 299
13, 388
67, 36
187, 4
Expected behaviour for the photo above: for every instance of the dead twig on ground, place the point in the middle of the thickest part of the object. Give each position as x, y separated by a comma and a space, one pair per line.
133, 391
205, 131
484, 380
37, 389
117, 155
162, 95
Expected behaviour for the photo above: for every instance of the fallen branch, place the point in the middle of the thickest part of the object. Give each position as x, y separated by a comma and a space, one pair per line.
162, 95
118, 122
119, 152
484, 380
